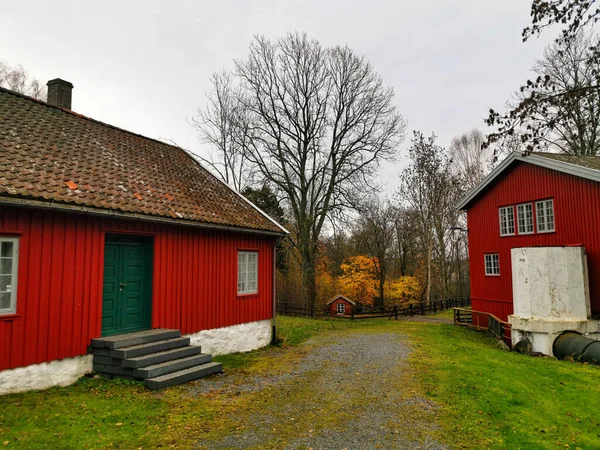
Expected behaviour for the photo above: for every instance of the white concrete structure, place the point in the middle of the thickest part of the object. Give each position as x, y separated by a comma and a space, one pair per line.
237, 338
550, 295
42, 376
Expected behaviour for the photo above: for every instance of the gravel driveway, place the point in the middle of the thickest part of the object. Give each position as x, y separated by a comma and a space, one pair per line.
357, 377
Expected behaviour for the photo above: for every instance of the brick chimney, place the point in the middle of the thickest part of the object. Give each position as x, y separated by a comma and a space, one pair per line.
59, 93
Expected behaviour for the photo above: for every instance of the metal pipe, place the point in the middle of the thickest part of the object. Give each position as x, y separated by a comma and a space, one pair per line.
570, 344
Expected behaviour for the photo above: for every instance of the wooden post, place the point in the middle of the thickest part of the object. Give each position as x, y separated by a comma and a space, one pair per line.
352, 314
410, 309
396, 312
422, 309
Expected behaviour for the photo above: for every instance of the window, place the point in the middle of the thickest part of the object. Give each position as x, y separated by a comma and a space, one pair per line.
492, 264
341, 308
507, 221
545, 216
9, 255
247, 272
525, 218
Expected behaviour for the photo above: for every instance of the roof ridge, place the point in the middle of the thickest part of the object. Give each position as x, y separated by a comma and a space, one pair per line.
91, 119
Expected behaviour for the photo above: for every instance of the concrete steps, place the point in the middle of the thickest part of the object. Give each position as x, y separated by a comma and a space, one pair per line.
160, 358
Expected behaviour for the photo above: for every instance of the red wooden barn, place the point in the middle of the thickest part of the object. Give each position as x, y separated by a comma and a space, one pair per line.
534, 200
340, 305
105, 232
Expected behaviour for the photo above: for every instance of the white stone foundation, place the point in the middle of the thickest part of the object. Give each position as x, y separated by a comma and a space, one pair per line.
237, 338
42, 376
219, 341
551, 295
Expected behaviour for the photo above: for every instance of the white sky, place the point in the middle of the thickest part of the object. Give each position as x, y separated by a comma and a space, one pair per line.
145, 65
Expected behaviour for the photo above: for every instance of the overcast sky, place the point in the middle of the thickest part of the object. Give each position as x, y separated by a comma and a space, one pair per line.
144, 65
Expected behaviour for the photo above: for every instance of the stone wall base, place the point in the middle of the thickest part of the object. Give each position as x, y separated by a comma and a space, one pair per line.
543, 332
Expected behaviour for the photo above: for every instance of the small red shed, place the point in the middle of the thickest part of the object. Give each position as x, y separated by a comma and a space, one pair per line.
105, 232
531, 200
340, 306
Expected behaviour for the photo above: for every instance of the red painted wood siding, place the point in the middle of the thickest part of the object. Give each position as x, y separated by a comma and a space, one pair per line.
59, 292
577, 221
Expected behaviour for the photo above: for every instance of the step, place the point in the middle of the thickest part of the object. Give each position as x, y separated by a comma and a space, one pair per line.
183, 376
137, 338
152, 347
160, 357
113, 370
157, 370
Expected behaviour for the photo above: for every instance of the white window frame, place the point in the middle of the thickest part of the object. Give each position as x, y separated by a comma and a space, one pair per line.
524, 221
12, 309
247, 279
504, 220
542, 208
491, 262
341, 308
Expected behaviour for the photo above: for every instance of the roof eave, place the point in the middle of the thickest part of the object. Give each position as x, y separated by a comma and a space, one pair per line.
548, 163
78, 209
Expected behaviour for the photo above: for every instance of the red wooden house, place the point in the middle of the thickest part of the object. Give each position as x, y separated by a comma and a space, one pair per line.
340, 305
535, 200
104, 232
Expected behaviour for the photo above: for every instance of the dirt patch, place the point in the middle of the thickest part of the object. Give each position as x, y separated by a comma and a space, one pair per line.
350, 392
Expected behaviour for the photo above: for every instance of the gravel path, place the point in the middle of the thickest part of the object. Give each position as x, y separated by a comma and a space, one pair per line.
358, 378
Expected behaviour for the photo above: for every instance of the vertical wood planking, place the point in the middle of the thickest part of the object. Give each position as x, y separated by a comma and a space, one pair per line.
577, 221
61, 261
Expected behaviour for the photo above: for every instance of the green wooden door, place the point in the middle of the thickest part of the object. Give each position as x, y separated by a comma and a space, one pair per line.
127, 289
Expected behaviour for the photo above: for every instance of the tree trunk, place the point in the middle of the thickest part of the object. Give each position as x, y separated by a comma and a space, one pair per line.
309, 287
429, 255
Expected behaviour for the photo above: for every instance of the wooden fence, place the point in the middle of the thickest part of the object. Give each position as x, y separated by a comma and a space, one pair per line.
289, 309
479, 320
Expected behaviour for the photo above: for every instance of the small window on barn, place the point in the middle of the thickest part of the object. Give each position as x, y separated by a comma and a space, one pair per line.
525, 218
492, 264
9, 255
545, 216
247, 272
341, 308
507, 221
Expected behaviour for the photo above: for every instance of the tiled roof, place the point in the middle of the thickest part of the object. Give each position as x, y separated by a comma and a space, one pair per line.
53, 155
591, 162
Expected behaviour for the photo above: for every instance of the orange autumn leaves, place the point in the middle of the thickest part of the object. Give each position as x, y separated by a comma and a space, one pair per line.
359, 282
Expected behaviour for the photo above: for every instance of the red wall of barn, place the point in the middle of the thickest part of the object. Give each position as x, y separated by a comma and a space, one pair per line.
59, 291
577, 221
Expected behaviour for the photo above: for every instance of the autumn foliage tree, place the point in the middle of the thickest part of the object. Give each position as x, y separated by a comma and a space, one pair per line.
358, 281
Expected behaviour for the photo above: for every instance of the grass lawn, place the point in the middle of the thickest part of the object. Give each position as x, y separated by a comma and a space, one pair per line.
488, 397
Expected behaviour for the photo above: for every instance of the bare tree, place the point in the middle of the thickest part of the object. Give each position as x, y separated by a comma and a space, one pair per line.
320, 121
17, 79
470, 160
374, 234
405, 223
224, 128
425, 187
548, 102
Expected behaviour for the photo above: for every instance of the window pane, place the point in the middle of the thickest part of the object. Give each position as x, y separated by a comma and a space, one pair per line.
6, 249
541, 216
6, 266
5, 283
5, 300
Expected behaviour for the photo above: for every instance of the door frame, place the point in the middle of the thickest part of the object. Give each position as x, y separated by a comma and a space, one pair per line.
148, 241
